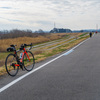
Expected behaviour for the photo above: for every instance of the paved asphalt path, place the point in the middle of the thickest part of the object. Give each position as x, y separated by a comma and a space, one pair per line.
75, 76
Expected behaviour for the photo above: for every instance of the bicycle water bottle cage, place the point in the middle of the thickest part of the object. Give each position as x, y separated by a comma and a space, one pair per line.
11, 49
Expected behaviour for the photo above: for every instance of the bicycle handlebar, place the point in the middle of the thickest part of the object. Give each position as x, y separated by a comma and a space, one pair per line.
24, 45
12, 47
28, 44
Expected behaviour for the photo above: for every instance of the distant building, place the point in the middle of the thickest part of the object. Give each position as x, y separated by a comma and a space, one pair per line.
60, 30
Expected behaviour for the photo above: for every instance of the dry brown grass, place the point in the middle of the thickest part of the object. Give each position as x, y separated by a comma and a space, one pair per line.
5, 43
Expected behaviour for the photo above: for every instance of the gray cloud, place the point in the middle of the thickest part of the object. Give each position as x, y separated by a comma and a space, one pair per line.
6, 7
14, 20
33, 13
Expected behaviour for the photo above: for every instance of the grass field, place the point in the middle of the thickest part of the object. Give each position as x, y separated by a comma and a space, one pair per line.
41, 54
5, 43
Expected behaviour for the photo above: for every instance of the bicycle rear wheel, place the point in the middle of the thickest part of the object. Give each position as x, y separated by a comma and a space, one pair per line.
9, 64
28, 61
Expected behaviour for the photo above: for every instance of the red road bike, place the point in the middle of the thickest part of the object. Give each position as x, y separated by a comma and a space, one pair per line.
14, 62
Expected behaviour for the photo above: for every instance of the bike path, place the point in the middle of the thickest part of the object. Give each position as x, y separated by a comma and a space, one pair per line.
73, 76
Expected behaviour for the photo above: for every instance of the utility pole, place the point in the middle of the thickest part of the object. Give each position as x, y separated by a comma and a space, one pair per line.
96, 26
54, 25
55, 28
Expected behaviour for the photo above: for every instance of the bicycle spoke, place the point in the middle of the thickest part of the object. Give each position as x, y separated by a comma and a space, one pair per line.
9, 64
28, 61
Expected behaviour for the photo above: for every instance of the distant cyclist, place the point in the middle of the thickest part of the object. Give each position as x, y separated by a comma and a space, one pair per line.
90, 34
96, 32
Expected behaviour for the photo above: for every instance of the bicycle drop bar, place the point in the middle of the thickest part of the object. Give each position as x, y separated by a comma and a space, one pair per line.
24, 45
29, 45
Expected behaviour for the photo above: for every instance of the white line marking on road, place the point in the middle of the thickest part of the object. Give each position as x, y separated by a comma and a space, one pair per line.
70, 51
23, 76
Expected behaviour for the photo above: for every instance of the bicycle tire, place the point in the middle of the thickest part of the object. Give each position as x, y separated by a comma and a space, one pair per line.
28, 65
11, 69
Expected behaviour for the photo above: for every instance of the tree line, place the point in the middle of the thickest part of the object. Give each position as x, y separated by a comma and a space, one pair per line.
15, 33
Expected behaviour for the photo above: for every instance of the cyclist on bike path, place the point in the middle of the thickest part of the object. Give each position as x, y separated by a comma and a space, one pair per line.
90, 34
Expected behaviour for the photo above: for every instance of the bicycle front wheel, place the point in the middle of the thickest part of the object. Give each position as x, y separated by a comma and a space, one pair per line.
28, 61
11, 69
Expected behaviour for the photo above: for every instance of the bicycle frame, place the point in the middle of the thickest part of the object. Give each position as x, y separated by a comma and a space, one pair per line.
20, 61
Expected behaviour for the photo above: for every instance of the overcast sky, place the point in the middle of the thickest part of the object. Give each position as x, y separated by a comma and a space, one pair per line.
42, 14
